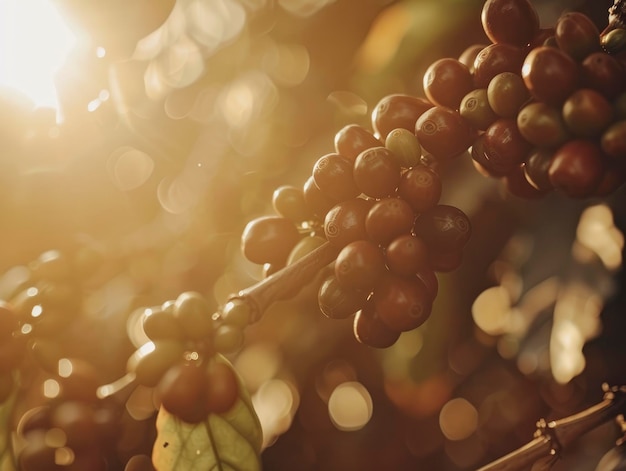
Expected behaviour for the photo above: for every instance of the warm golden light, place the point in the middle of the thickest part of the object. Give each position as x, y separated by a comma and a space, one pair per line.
33, 44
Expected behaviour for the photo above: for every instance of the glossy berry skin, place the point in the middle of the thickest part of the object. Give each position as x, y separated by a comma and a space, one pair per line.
376, 172
397, 111
613, 141
510, 21
193, 312
577, 168
288, 201
223, 387
183, 390
468, 56
495, 59
387, 219
518, 185
420, 187
353, 139
604, 73
407, 255
345, 222
587, 113
444, 228
476, 110
504, 147
506, 94
443, 132
542, 125
403, 303
269, 239
333, 176
446, 81
317, 202
360, 265
536, 169
370, 330
577, 35
338, 302
550, 75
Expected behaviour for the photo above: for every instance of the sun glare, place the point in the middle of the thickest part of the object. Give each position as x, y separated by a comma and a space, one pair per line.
34, 41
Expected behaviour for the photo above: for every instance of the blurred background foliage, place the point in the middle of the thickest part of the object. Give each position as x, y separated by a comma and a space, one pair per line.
175, 122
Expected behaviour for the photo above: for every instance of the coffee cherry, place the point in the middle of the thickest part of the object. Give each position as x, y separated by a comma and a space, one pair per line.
587, 113
444, 228
318, 203
468, 56
370, 330
353, 139
402, 303
550, 75
446, 82
420, 187
510, 21
160, 324
577, 168
360, 265
506, 94
228, 338
605, 74
495, 59
504, 147
333, 176
376, 172
443, 132
153, 359
223, 387
404, 146
577, 35
536, 169
345, 222
518, 185
613, 141
397, 111
336, 301
269, 239
407, 255
542, 125
476, 110
193, 312
183, 392
288, 201
387, 219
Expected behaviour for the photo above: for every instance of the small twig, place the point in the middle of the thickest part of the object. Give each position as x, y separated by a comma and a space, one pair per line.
551, 437
286, 282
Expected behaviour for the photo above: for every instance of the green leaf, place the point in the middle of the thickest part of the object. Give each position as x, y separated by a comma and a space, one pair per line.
224, 442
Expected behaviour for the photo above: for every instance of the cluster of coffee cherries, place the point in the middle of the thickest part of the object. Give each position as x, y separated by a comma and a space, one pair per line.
542, 108
376, 200
181, 358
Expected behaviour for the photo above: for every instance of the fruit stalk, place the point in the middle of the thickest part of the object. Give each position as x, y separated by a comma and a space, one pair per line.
286, 282
551, 437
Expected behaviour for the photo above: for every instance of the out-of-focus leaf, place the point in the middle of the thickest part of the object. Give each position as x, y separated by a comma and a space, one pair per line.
6, 453
224, 442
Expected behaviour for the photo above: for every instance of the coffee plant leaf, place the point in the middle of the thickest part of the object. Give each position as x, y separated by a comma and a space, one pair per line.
223, 442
